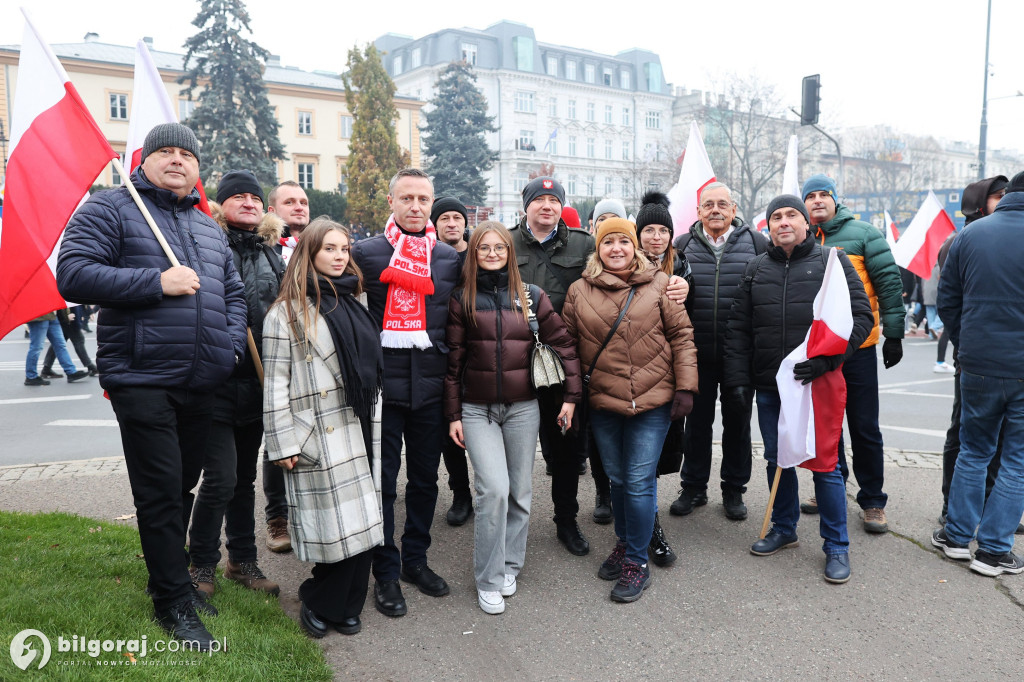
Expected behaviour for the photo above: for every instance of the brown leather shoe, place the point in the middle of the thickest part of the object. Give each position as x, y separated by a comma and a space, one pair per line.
875, 521
278, 539
205, 579
247, 573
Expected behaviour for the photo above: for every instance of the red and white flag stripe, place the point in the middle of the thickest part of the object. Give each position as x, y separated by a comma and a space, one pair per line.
918, 247
694, 175
892, 235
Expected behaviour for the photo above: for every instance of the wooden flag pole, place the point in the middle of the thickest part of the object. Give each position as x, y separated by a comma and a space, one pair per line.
771, 503
174, 259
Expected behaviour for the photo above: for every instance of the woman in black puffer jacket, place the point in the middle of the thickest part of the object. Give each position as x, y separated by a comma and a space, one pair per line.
490, 403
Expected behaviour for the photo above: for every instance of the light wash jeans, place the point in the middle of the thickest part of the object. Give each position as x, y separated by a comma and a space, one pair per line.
502, 443
38, 332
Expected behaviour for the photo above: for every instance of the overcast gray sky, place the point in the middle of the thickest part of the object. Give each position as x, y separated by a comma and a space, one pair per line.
913, 64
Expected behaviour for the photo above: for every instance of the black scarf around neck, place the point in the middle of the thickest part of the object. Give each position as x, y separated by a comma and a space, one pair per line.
356, 339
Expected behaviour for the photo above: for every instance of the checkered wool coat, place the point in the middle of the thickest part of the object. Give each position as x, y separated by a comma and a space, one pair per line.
334, 503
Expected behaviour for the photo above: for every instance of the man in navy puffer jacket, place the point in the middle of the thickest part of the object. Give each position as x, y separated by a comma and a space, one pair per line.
167, 337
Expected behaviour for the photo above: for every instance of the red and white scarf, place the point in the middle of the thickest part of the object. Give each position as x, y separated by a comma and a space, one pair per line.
408, 277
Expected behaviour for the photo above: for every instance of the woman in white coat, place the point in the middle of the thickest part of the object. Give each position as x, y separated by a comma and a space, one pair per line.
322, 361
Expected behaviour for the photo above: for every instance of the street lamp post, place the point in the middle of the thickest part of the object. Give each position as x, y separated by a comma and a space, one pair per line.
983, 141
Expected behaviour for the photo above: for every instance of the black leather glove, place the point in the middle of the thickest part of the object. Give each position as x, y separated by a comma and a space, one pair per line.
682, 405
809, 370
892, 352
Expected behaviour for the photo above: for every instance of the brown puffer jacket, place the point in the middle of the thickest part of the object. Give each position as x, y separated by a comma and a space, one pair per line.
651, 355
489, 362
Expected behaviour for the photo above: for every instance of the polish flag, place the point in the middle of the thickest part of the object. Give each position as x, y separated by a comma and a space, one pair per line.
791, 174
761, 223
891, 233
811, 417
151, 106
694, 176
57, 150
918, 247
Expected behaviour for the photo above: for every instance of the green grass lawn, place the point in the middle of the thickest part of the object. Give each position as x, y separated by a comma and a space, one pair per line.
68, 576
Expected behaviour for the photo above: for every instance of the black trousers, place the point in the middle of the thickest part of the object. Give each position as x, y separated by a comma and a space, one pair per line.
423, 430
736, 448
563, 453
72, 332
951, 449
273, 490
163, 433
456, 464
227, 495
338, 591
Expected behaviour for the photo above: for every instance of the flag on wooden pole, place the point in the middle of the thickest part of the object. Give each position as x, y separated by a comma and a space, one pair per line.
695, 175
57, 150
918, 247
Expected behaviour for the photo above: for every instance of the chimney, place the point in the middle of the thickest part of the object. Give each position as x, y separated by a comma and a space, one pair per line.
274, 60
148, 40
91, 37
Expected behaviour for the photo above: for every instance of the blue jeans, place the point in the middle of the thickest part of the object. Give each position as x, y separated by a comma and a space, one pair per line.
630, 448
988, 402
39, 331
829, 489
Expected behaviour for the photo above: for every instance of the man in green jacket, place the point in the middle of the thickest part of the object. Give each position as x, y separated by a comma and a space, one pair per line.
867, 249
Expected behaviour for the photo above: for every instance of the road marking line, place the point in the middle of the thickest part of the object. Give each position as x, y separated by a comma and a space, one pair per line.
83, 422
51, 399
920, 432
925, 395
916, 383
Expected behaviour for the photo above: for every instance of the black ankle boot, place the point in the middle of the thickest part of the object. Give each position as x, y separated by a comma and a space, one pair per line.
659, 550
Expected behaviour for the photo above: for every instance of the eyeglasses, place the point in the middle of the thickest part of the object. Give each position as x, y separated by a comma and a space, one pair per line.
485, 249
721, 205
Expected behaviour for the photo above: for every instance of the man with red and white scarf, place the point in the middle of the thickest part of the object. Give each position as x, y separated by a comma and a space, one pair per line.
409, 276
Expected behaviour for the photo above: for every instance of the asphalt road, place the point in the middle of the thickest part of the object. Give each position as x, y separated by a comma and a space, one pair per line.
74, 421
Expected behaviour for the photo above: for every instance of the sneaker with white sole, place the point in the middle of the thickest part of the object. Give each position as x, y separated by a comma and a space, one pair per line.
993, 564
944, 368
953, 550
490, 602
509, 588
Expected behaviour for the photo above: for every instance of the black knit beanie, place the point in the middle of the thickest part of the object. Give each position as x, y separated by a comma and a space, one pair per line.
654, 211
446, 204
787, 201
171, 135
238, 182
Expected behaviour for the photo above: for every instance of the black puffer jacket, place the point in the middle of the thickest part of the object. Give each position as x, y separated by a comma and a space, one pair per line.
412, 378
240, 399
568, 252
715, 279
773, 310
489, 362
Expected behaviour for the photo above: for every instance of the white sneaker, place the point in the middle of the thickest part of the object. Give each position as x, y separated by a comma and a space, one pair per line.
490, 602
509, 588
943, 368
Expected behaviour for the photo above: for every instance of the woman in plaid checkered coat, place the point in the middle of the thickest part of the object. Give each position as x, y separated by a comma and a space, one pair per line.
322, 361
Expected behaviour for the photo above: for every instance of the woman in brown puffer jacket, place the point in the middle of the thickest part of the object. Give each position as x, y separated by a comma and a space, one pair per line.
644, 378
491, 405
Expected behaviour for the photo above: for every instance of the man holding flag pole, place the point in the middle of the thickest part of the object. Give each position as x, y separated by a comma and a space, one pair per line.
811, 299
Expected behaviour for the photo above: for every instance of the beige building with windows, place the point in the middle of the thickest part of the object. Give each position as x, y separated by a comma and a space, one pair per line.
310, 107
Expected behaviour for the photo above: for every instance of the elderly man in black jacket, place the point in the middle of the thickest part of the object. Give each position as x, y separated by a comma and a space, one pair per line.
168, 336
409, 277
770, 317
718, 248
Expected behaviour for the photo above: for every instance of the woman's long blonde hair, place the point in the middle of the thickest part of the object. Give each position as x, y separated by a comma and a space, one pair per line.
516, 288
295, 283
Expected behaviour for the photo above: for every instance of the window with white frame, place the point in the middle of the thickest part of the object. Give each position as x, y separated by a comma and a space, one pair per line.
625, 189
572, 145
590, 147
625, 80
118, 106
185, 109
553, 107
570, 69
397, 64
572, 109
526, 140
552, 66
608, 114
417, 58
115, 177
588, 186
626, 118
553, 145
469, 53
306, 175
591, 112
625, 150
520, 180
653, 120
570, 186
607, 185
524, 101
305, 123
607, 76
608, 149
345, 127
588, 73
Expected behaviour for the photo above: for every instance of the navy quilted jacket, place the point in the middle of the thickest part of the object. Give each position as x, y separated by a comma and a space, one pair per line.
109, 257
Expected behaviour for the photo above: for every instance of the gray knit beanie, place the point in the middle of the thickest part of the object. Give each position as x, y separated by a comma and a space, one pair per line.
171, 135
609, 206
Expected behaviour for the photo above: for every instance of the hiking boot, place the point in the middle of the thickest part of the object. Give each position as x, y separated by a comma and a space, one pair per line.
48, 373
205, 580
809, 506
462, 509
689, 499
248, 574
570, 535
182, 622
837, 568
659, 550
611, 569
36, 381
278, 539
732, 500
603, 508
635, 578
874, 520
953, 550
993, 564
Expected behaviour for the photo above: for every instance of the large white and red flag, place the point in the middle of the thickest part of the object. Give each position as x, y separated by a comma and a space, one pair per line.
695, 175
151, 106
811, 416
891, 233
57, 150
791, 173
918, 247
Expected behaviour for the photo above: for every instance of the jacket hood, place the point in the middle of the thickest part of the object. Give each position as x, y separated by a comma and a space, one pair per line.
842, 216
975, 197
270, 229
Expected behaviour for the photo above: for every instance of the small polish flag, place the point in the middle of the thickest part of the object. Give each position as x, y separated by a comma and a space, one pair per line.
891, 233
918, 247
694, 176
811, 416
761, 222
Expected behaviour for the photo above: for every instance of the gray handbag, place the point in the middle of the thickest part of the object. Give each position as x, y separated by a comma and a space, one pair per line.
546, 368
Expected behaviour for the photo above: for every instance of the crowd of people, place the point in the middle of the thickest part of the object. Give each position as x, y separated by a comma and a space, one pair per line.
435, 341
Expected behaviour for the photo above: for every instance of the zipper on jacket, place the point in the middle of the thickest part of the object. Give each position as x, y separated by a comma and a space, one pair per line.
714, 307
198, 302
497, 313
785, 281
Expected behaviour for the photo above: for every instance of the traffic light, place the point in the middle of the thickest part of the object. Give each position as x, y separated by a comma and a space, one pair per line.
810, 99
